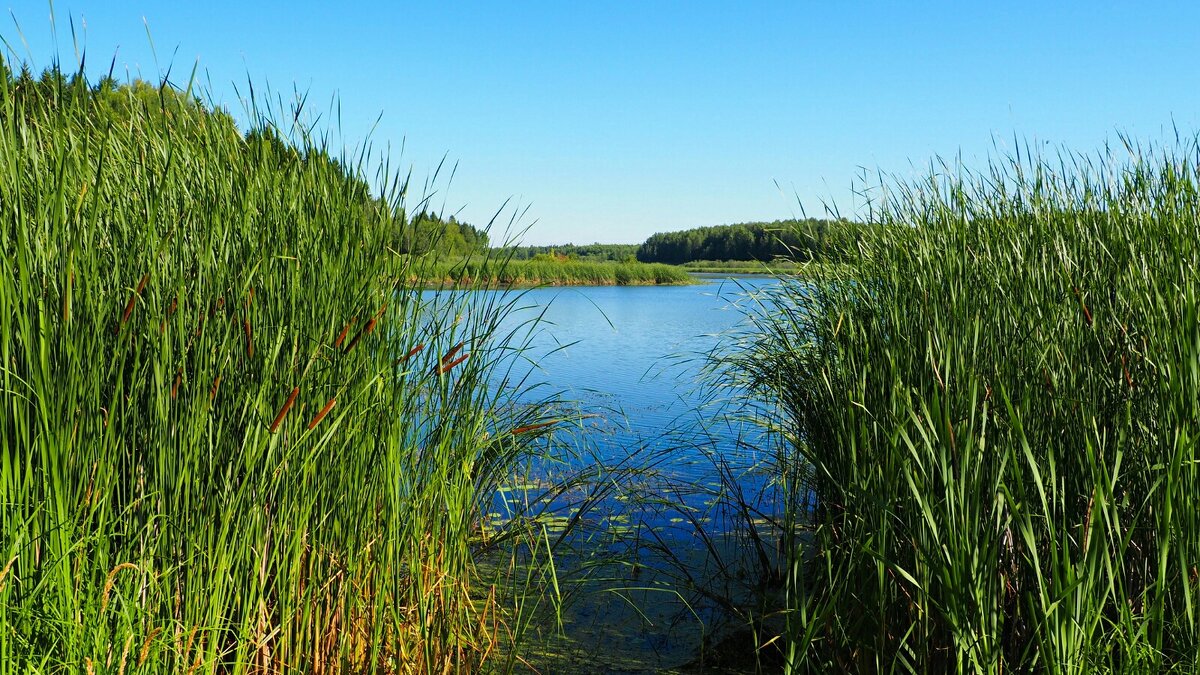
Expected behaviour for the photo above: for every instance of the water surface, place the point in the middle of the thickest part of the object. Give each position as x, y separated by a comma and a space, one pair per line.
632, 357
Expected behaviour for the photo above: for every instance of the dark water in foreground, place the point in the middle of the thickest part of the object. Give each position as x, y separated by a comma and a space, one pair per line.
661, 542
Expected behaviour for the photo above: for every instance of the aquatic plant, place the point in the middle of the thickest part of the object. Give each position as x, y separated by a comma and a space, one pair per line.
195, 485
987, 422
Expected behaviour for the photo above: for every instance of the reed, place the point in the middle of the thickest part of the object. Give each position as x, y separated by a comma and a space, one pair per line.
504, 271
987, 422
153, 527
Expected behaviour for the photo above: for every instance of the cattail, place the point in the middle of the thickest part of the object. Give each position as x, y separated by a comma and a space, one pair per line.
250, 297
450, 354
411, 353
444, 368
321, 415
342, 335
1125, 370
212, 394
174, 304
533, 427
1087, 313
132, 300
365, 330
284, 410
175, 387
249, 338
379, 314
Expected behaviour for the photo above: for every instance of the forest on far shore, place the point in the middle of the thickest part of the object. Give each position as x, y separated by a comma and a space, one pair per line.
797, 240
804, 240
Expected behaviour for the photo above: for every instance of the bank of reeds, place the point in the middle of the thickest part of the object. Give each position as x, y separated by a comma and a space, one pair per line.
223, 449
988, 423
493, 271
780, 266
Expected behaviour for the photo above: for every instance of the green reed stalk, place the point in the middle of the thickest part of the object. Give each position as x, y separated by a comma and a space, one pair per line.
988, 422
180, 493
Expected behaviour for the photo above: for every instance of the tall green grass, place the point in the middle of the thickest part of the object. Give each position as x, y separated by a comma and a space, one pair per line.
233, 438
988, 423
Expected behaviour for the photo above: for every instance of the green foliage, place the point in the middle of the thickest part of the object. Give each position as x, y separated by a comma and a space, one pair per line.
988, 424
230, 443
548, 270
586, 252
796, 240
429, 233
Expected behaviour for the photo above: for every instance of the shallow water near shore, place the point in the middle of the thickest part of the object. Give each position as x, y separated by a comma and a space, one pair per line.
630, 359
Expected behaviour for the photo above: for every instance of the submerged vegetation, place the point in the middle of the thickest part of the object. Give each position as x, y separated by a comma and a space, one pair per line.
988, 422
236, 437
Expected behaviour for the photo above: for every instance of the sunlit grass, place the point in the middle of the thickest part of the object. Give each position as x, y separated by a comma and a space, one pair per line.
988, 423
236, 437
491, 271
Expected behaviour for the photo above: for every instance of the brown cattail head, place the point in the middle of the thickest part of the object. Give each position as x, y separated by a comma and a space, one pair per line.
321, 415
1087, 313
411, 353
379, 314
342, 335
365, 329
249, 338
533, 427
250, 297
212, 394
175, 387
284, 410
444, 368
450, 354
133, 300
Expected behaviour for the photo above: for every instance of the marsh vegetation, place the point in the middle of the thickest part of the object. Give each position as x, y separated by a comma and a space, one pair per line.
240, 435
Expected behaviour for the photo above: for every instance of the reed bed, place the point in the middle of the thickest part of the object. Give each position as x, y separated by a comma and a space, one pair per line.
505, 271
209, 464
987, 422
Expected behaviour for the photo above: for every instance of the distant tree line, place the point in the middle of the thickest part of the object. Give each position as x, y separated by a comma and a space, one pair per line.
428, 232
583, 252
799, 240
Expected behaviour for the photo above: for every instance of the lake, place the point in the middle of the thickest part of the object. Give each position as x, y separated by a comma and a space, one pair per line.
631, 357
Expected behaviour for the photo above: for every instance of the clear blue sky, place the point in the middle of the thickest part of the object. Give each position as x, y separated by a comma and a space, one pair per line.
612, 121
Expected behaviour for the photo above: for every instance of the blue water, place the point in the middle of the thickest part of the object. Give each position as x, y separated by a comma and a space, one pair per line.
630, 360
633, 356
